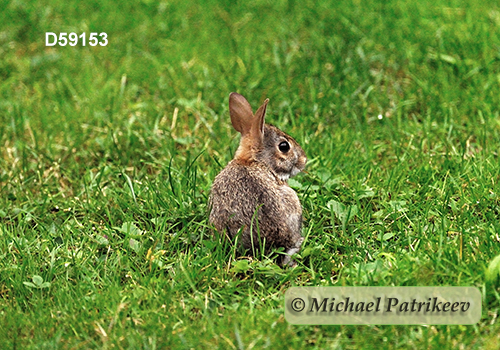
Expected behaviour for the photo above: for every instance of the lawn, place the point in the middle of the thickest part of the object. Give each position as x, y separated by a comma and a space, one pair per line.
107, 155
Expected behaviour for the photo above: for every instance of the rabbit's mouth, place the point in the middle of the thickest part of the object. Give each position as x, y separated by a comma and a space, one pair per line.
284, 176
295, 170
301, 164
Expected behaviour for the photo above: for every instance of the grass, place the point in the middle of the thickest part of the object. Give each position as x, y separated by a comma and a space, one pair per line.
108, 154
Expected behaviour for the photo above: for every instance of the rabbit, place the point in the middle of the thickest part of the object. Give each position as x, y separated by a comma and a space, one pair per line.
254, 184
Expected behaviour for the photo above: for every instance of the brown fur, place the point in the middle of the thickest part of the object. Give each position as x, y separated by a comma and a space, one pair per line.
254, 182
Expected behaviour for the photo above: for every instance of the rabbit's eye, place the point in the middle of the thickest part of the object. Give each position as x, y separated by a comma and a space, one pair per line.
284, 146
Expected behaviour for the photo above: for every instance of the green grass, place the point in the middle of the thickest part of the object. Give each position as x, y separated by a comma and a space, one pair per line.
107, 155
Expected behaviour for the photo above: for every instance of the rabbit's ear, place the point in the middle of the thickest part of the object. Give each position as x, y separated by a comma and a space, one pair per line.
241, 113
259, 119
249, 125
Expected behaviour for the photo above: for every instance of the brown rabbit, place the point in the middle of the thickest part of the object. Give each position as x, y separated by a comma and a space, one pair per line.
254, 184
